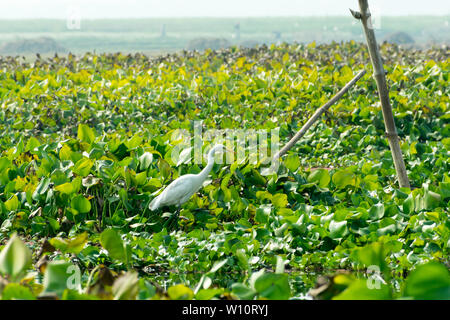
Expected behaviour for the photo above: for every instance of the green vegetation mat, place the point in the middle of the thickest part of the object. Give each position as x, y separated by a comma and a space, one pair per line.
86, 142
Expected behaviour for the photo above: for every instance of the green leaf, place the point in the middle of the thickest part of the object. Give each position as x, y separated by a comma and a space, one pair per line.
320, 177
53, 223
431, 200
343, 178
58, 177
242, 258
180, 292
141, 178
75, 295
80, 204
4, 163
338, 229
41, 188
386, 229
134, 142
15, 291
76, 184
273, 286
242, 291
15, 258
65, 153
208, 294
164, 167
12, 204
145, 160
74, 245
85, 134
430, 281
408, 204
373, 255
262, 214
217, 265
83, 167
444, 189
279, 200
113, 243
32, 144
56, 277
361, 290
66, 188
376, 211
292, 162
261, 84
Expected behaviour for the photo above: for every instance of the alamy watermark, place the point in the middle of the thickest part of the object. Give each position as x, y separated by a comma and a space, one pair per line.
375, 17
73, 20
254, 146
375, 279
73, 281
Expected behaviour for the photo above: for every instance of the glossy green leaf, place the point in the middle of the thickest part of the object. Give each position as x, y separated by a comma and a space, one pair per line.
83, 167
145, 160
292, 162
80, 204
338, 229
56, 278
86, 134
243, 292
430, 281
73, 245
15, 291
180, 292
15, 257
321, 177
343, 178
111, 241
273, 286
279, 200
365, 290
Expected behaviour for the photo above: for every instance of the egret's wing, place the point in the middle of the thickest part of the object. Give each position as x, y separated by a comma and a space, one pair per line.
174, 192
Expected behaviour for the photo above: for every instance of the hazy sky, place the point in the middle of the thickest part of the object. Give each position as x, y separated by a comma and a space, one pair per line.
90, 9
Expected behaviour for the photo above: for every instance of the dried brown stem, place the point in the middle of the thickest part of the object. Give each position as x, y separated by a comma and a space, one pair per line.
316, 116
383, 92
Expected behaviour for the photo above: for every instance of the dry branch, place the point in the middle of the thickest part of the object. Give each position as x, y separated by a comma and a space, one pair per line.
316, 116
383, 92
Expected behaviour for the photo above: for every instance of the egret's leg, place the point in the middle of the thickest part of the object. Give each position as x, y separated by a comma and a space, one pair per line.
174, 218
172, 221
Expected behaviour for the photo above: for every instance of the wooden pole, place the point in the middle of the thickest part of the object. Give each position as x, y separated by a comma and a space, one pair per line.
316, 116
383, 92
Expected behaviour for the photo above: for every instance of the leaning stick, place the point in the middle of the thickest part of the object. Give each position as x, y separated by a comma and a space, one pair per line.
316, 116
383, 92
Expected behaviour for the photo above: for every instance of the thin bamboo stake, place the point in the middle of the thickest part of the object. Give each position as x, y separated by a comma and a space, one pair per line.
383, 92
316, 116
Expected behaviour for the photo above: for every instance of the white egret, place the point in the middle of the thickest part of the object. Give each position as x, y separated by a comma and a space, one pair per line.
182, 189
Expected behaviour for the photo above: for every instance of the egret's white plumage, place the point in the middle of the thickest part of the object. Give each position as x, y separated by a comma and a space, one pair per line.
182, 189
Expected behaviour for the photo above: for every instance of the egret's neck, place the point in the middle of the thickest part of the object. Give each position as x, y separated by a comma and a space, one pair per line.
206, 170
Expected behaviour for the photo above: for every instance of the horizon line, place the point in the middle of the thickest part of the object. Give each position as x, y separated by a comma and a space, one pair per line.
228, 17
